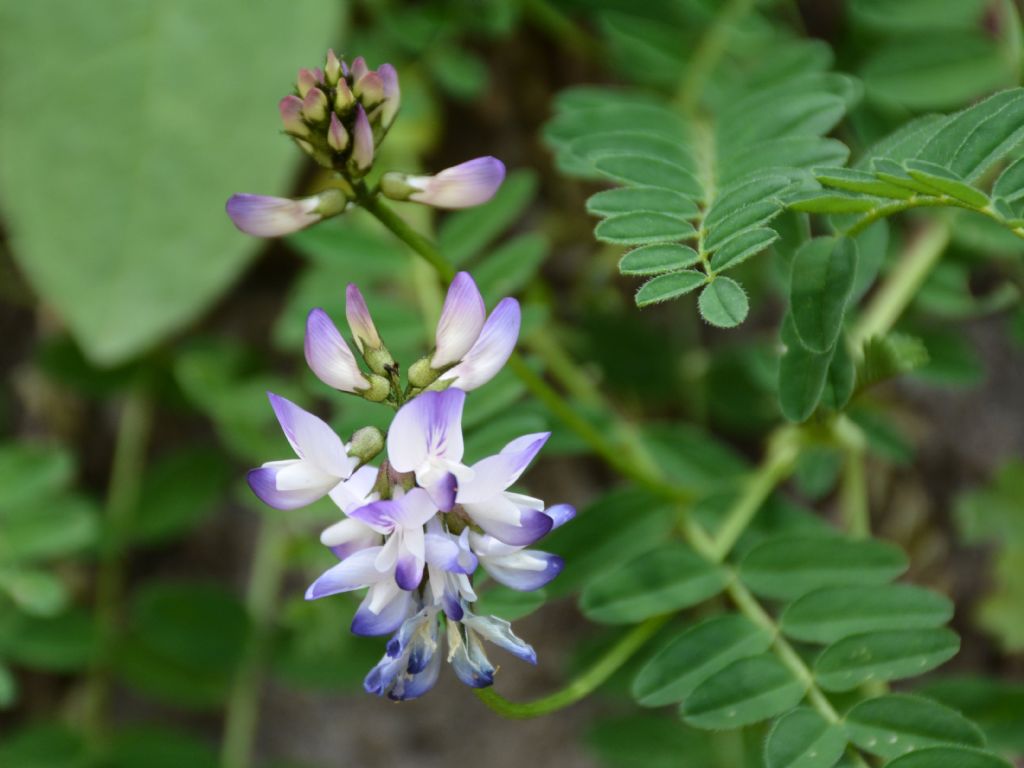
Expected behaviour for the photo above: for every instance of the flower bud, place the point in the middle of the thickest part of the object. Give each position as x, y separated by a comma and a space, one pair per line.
461, 186
421, 374
359, 68
337, 136
314, 105
306, 81
343, 97
369, 89
366, 444
392, 95
359, 320
265, 216
291, 115
362, 144
332, 69
379, 389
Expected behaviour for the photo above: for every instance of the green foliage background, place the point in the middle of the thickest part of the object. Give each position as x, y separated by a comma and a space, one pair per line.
799, 491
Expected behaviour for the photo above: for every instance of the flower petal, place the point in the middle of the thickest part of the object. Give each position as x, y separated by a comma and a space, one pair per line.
443, 550
359, 320
509, 523
394, 606
491, 350
329, 356
499, 632
560, 514
312, 439
462, 319
461, 186
263, 482
357, 490
491, 476
353, 572
430, 426
349, 536
265, 216
468, 658
524, 571
379, 515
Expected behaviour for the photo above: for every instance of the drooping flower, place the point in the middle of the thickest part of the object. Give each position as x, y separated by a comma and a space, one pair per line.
322, 466
461, 186
466, 649
425, 438
470, 348
265, 216
412, 662
509, 517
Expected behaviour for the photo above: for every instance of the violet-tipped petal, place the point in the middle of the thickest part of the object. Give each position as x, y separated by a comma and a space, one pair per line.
306, 80
329, 356
266, 216
314, 105
359, 320
369, 89
461, 186
290, 108
491, 349
337, 136
362, 142
392, 94
462, 319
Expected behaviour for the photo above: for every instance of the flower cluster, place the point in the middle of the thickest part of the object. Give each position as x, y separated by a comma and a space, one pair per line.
339, 114
419, 525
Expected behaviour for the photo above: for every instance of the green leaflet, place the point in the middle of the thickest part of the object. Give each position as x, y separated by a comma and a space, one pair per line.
790, 567
729, 176
669, 286
822, 278
747, 691
654, 259
889, 726
143, 115
802, 375
832, 613
803, 739
883, 655
658, 582
696, 654
949, 757
723, 303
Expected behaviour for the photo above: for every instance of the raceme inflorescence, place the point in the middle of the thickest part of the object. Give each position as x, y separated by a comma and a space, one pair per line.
339, 115
418, 524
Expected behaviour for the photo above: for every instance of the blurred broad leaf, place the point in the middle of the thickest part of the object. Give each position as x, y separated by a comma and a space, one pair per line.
43, 745
114, 192
890, 725
884, 655
745, 692
996, 706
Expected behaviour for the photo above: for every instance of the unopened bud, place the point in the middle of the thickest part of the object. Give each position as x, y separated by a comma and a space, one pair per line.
392, 95
366, 444
337, 136
362, 144
421, 374
306, 80
314, 105
291, 115
369, 89
320, 157
359, 68
378, 390
343, 98
332, 69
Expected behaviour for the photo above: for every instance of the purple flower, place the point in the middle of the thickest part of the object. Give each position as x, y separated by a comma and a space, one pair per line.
461, 186
412, 663
359, 320
466, 650
362, 143
450, 562
425, 437
323, 463
265, 216
386, 604
329, 356
511, 518
517, 568
469, 349
351, 535
401, 520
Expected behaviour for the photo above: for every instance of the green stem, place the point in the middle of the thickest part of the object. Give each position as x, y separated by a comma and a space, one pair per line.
583, 684
398, 226
265, 577
854, 496
902, 283
134, 427
709, 50
783, 450
561, 28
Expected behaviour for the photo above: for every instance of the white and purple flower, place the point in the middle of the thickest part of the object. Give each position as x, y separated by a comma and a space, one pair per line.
462, 186
264, 216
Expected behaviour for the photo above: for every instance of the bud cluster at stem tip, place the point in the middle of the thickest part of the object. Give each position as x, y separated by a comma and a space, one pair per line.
340, 113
